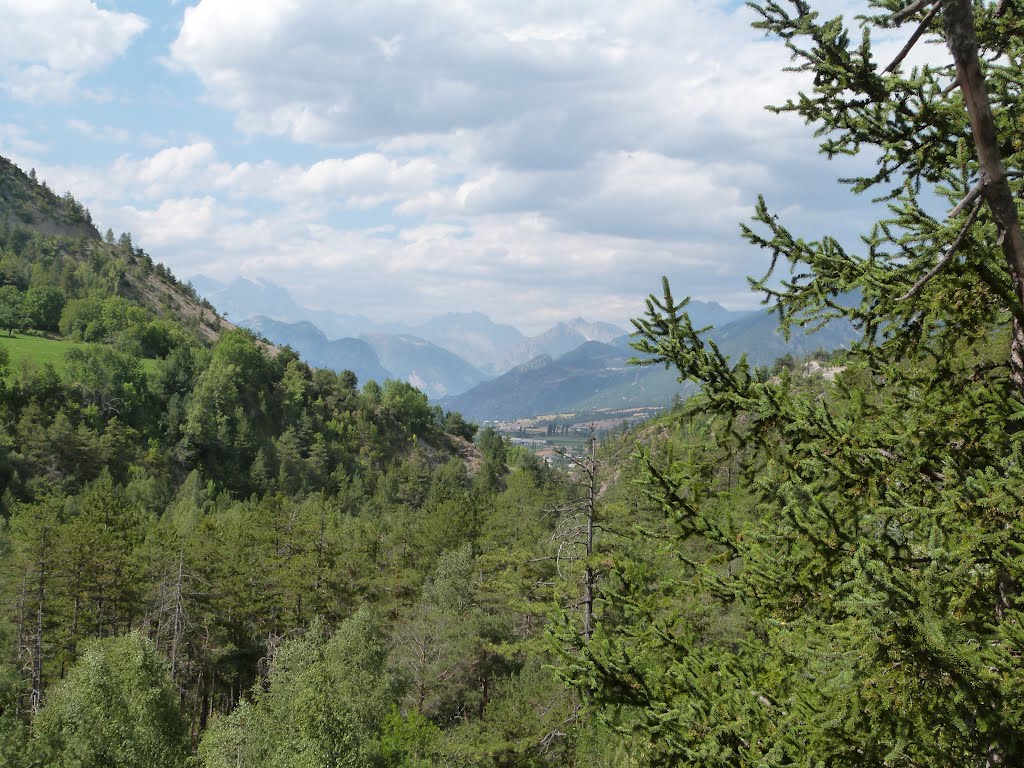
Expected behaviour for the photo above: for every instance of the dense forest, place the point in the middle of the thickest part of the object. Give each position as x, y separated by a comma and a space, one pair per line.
213, 554
198, 535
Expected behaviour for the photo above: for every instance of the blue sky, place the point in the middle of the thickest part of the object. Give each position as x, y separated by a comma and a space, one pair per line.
534, 160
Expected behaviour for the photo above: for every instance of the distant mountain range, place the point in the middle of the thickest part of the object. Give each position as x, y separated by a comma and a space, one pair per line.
425, 365
316, 349
491, 371
596, 375
562, 338
758, 336
243, 299
582, 378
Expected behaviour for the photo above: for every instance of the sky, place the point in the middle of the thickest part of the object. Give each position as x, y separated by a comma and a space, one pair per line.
534, 160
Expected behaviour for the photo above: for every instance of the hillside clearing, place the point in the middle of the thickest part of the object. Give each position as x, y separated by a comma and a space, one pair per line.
30, 353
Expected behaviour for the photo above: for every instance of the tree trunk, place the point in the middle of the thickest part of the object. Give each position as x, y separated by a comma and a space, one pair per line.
179, 615
958, 17
588, 572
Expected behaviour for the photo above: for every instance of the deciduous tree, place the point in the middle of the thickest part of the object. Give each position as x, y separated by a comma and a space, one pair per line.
12, 309
116, 709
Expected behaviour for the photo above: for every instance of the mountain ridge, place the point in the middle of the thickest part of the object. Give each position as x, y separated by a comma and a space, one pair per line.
316, 349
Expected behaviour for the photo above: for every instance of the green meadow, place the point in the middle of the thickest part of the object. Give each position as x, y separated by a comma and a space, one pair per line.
33, 352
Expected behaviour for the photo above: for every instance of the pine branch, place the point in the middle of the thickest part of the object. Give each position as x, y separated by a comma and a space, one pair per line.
947, 258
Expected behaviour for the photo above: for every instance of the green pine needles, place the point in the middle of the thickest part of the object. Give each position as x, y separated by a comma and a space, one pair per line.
843, 583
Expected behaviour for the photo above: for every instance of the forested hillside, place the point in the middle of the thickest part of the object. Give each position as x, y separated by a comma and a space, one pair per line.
212, 551
50, 243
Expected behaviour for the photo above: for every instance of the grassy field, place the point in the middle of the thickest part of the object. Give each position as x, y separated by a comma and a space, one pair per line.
33, 352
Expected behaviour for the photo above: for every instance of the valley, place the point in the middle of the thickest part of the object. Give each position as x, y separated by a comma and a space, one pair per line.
492, 372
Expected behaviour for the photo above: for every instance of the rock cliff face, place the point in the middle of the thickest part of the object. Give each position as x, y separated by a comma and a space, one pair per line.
27, 203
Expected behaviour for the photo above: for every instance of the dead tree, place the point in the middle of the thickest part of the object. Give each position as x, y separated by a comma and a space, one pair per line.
574, 534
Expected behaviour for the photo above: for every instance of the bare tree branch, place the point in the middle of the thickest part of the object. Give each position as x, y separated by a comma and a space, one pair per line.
969, 198
921, 29
910, 10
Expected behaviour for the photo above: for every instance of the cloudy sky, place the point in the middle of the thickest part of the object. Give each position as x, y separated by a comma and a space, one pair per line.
534, 160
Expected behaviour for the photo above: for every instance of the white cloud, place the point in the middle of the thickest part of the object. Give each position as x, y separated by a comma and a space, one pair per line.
551, 107
557, 156
47, 46
101, 133
497, 260
364, 180
323, 71
170, 170
195, 169
647, 195
15, 140
173, 222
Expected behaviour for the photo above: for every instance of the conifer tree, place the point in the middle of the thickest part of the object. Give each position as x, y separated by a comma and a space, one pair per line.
871, 557
30, 585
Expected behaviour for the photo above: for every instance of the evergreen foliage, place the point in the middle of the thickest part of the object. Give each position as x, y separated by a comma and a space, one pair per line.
199, 526
843, 584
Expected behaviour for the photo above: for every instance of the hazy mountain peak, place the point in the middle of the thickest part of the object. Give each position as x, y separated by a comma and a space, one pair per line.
206, 285
561, 338
309, 341
594, 331
428, 366
473, 336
